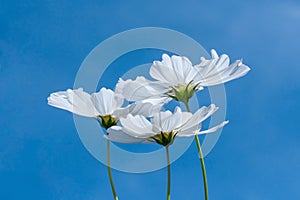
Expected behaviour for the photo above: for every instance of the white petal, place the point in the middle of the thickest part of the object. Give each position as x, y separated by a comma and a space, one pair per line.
217, 70
213, 129
199, 116
138, 108
158, 118
76, 101
121, 112
137, 126
172, 122
148, 107
118, 101
163, 71
140, 89
214, 53
190, 131
167, 121
183, 69
106, 101
116, 134
186, 116
145, 109
60, 100
175, 70
208, 68
234, 71
156, 101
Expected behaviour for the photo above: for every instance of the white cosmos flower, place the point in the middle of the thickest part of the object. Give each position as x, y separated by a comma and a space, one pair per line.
105, 104
177, 78
163, 127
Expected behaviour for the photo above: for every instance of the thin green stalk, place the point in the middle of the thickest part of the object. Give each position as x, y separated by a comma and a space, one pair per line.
169, 174
109, 171
203, 167
201, 158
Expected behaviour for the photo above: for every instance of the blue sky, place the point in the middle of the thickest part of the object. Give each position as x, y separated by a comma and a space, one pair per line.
42, 45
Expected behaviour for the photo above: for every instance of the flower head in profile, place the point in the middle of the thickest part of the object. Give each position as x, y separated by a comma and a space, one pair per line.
105, 105
163, 127
176, 77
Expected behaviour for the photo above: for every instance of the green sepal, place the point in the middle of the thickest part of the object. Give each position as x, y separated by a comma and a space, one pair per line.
164, 139
107, 121
183, 92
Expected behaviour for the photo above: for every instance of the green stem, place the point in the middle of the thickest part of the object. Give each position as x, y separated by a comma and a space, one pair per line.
109, 171
169, 174
201, 158
203, 167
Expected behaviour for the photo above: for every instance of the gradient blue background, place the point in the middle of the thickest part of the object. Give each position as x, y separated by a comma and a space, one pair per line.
42, 45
